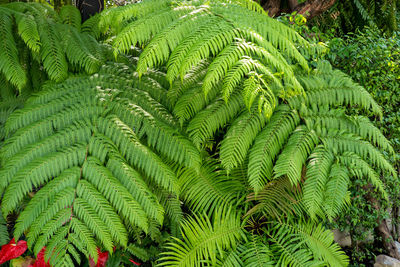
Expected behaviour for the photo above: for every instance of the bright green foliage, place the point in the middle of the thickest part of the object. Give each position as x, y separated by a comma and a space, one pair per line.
118, 138
162, 159
204, 239
4, 238
46, 38
245, 45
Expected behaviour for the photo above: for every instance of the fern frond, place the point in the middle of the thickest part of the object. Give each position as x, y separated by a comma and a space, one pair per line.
203, 239
342, 143
210, 181
337, 119
70, 15
239, 138
27, 29
268, 144
279, 197
361, 169
336, 195
51, 52
295, 153
334, 89
9, 62
316, 238
204, 125
317, 175
256, 253
4, 237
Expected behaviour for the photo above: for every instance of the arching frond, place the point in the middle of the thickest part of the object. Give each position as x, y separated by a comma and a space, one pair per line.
317, 175
71, 15
184, 34
268, 144
220, 190
292, 158
239, 138
298, 243
203, 239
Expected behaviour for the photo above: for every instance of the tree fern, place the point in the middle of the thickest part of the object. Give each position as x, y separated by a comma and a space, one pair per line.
146, 159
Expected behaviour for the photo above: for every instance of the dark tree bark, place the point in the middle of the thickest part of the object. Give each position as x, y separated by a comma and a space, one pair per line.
89, 8
309, 8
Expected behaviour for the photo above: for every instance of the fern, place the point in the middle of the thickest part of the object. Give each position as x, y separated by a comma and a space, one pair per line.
146, 159
203, 239
182, 35
53, 41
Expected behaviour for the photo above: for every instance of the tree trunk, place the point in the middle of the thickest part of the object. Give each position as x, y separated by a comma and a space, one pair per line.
89, 8
309, 8
313, 8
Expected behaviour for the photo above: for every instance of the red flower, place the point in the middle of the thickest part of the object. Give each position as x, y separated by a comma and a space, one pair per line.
101, 261
40, 259
11, 250
134, 262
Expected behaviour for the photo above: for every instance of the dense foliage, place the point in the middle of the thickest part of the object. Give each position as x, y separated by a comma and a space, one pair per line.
209, 140
373, 61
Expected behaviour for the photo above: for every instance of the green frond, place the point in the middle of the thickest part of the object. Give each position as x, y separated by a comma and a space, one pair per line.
295, 153
27, 29
104, 210
141, 30
77, 49
316, 238
51, 52
342, 143
9, 61
336, 195
287, 247
230, 259
221, 190
268, 144
256, 253
334, 89
185, 34
279, 197
135, 184
359, 168
203, 239
188, 39
130, 147
138, 252
192, 101
216, 115
113, 190
4, 237
91, 26
114, 16
43, 198
70, 15
191, 80
317, 176
239, 138
39, 171
324, 117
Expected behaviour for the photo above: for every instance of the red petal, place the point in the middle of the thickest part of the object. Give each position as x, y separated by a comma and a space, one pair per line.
40, 259
102, 259
134, 262
11, 250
